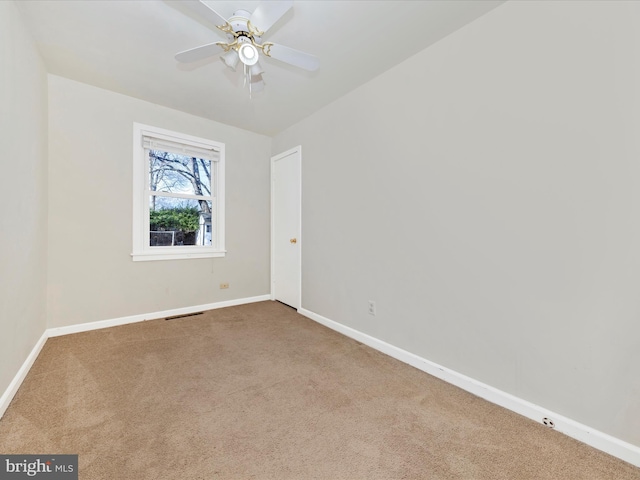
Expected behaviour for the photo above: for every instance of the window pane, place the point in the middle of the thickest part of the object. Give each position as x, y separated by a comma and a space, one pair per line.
169, 172
179, 222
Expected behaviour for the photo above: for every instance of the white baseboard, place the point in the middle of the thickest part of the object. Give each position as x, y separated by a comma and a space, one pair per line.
613, 446
13, 387
85, 327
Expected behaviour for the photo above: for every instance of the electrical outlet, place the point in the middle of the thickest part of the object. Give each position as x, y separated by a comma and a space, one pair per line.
372, 307
548, 422
224, 285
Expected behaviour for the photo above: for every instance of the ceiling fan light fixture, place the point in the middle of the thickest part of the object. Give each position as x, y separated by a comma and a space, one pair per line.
231, 59
248, 54
244, 31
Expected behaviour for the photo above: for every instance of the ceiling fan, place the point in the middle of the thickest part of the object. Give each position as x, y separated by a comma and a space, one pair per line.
244, 43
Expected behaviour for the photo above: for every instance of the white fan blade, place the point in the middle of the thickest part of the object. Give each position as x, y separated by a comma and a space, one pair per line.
294, 57
205, 11
267, 13
198, 53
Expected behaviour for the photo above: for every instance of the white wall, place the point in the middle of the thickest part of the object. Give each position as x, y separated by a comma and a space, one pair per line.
23, 155
486, 194
91, 274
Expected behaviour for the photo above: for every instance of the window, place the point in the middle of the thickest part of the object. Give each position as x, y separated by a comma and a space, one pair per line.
178, 195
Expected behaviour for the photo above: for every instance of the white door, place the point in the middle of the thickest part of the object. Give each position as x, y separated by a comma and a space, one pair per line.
285, 227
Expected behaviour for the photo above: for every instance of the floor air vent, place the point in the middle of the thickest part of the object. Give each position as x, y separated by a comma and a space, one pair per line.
183, 316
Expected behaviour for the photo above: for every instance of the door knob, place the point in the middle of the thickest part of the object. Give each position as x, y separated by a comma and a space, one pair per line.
294, 240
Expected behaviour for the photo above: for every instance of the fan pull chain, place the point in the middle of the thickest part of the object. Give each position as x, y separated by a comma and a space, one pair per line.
247, 78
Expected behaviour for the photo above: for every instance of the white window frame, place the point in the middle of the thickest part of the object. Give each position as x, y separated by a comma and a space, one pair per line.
142, 251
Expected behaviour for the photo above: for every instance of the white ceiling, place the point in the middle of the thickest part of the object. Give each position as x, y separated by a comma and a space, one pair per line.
128, 46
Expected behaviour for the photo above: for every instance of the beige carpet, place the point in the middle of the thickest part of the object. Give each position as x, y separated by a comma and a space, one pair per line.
260, 392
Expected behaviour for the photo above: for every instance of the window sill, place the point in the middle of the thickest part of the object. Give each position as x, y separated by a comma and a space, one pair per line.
152, 256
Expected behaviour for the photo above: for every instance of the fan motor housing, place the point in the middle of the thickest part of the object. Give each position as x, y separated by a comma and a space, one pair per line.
239, 21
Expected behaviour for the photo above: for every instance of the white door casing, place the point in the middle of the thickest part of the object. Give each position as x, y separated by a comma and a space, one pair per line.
286, 227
